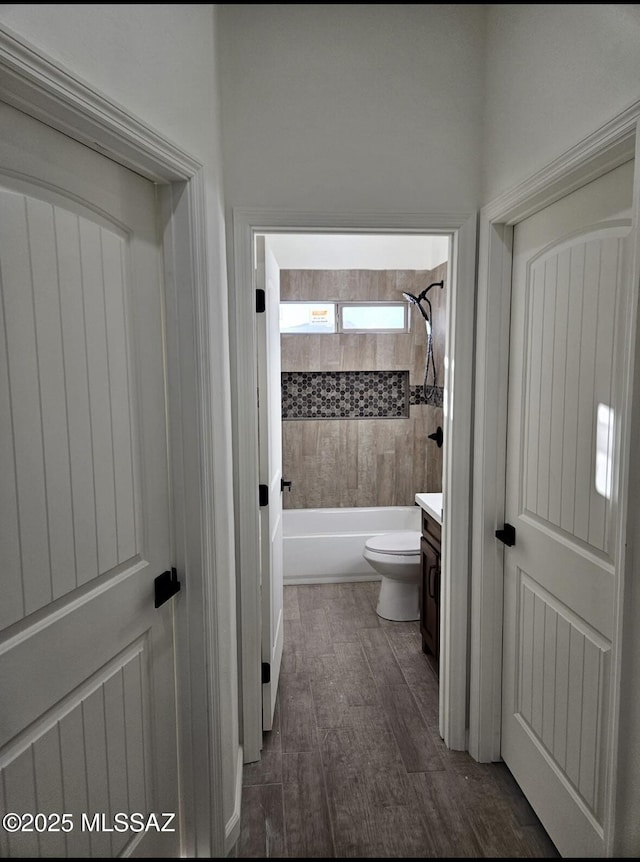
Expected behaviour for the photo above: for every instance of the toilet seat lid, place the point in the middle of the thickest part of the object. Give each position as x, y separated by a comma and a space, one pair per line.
403, 543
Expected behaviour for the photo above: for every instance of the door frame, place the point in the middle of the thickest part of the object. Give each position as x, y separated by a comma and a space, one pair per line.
41, 88
247, 223
609, 146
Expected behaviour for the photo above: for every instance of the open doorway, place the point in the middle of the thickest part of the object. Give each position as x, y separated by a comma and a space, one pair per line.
351, 350
455, 472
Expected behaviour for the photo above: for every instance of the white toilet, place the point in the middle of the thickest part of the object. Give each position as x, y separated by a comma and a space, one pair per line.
396, 556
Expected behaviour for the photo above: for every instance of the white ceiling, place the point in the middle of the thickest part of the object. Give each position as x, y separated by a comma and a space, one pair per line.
358, 251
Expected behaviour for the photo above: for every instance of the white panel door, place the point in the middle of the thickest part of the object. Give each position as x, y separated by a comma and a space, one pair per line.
87, 679
562, 461
270, 473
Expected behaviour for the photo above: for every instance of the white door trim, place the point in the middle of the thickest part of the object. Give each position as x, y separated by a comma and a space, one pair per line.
457, 468
43, 89
608, 147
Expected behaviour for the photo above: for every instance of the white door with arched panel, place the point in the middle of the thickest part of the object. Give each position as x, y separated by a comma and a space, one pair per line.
566, 343
87, 662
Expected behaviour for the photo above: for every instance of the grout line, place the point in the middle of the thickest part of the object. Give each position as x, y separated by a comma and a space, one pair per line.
322, 769
285, 852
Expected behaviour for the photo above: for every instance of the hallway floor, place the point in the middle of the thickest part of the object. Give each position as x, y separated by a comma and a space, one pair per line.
354, 765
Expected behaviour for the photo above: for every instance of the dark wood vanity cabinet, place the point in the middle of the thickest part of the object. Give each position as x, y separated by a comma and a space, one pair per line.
430, 586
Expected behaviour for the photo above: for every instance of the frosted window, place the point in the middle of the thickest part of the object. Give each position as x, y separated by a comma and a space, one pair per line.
381, 317
306, 317
604, 450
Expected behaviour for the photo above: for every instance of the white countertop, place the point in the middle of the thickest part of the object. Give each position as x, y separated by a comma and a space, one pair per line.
432, 504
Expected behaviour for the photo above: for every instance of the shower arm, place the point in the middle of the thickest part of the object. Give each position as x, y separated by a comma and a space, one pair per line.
422, 297
427, 289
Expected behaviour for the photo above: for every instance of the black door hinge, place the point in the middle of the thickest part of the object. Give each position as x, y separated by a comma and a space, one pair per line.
166, 585
263, 495
261, 302
266, 672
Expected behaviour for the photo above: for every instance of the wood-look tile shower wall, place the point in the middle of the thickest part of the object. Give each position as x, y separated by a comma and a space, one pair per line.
363, 462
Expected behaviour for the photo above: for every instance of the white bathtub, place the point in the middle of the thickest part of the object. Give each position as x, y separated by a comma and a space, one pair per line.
323, 546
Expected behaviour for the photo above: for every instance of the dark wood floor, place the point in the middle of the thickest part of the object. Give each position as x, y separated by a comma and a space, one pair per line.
354, 765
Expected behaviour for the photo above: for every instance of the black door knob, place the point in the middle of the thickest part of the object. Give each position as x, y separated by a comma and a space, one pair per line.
437, 436
285, 484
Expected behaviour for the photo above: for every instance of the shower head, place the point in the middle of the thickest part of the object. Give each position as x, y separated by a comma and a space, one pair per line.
416, 301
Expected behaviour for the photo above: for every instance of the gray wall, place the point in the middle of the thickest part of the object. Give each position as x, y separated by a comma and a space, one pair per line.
346, 107
555, 73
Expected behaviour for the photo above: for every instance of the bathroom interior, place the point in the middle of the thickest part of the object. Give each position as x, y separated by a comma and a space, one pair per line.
362, 340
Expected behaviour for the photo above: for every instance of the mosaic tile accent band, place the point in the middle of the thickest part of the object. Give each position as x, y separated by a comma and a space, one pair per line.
345, 394
434, 396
